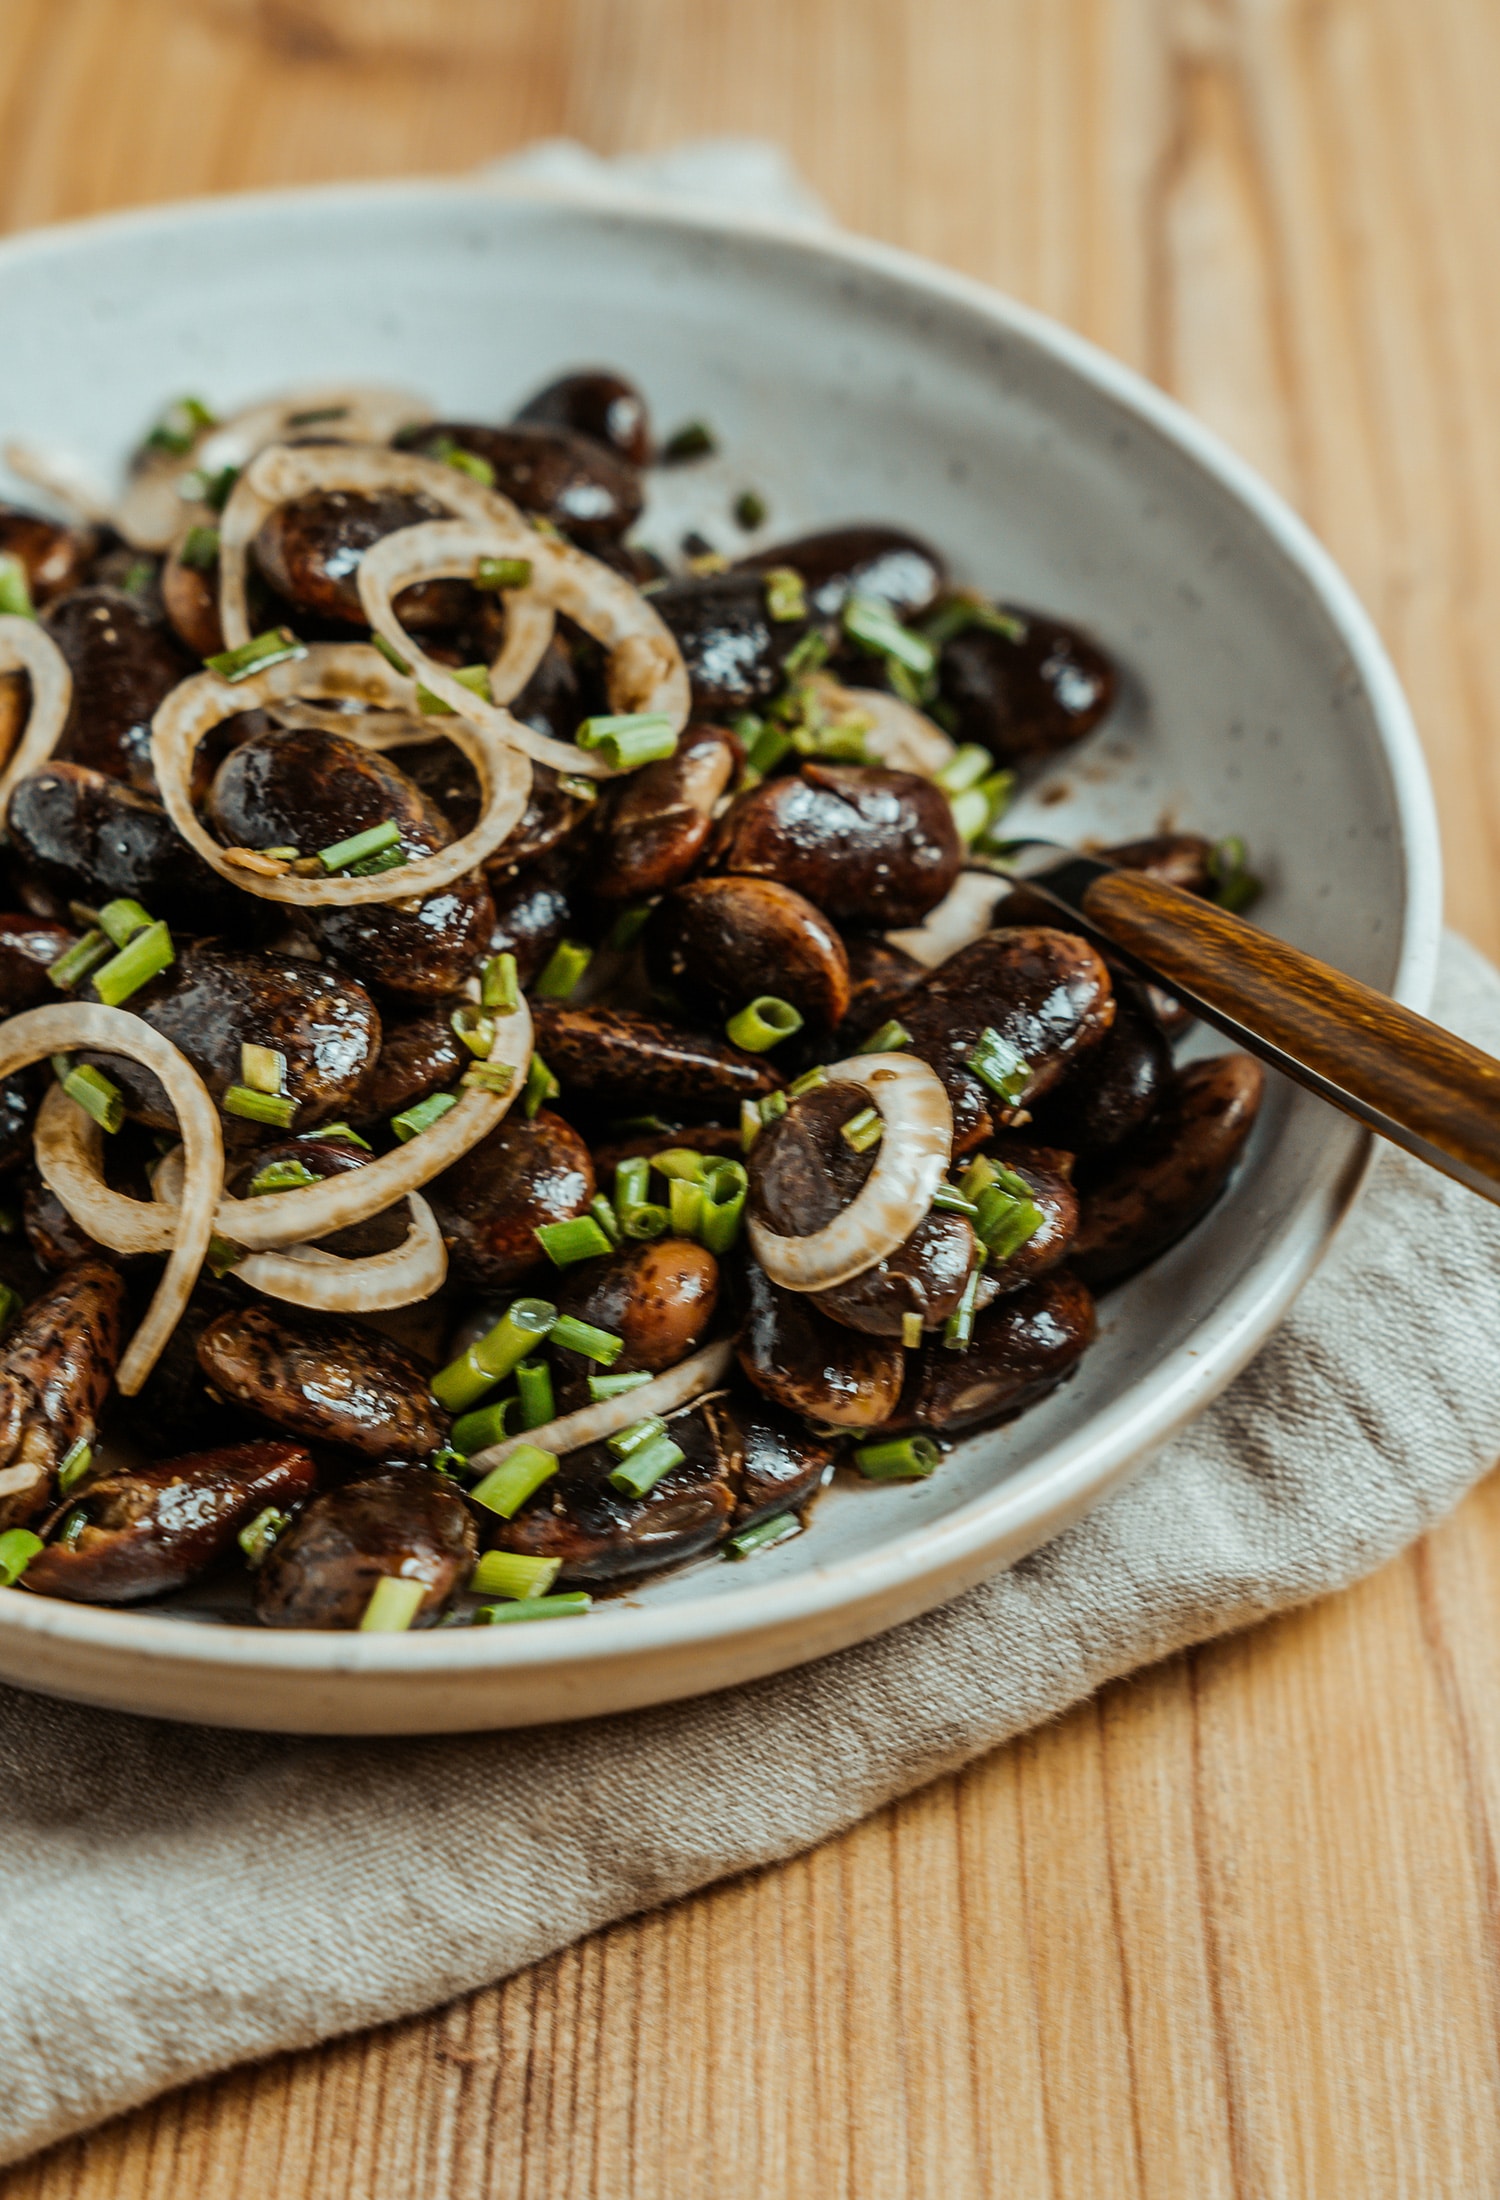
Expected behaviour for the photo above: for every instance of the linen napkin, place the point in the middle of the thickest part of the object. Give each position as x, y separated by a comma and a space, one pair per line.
174, 1900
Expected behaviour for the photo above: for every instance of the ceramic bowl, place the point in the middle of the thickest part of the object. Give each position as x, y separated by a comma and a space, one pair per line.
843, 380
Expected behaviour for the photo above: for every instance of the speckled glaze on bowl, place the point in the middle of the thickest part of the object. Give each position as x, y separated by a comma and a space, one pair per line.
844, 381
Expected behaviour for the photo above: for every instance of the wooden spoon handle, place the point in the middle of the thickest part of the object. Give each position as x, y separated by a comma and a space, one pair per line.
1390, 1067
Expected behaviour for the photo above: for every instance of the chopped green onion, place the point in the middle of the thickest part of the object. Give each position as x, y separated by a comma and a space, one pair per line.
180, 426
256, 1538
476, 678
391, 656
771, 744
513, 1575
964, 768
473, 1028
1006, 1222
281, 1176
693, 440
411, 1122
499, 986
723, 1207
958, 1329
224, 1255
632, 1183
615, 1386
389, 859
446, 1460
911, 1330
571, 1606
1234, 886
904, 1459
519, 1475
15, 588
628, 926
262, 1068
503, 573
685, 1205
489, 1076
73, 965
72, 1527
786, 594
260, 1107
146, 957
629, 739
212, 489
863, 1131
750, 1124
278, 647
474, 1432
123, 919
534, 1390
626, 1440
887, 1040
541, 1086
498, 1353
778, 1529
394, 1603
601, 1346
809, 1081
870, 621
772, 1107
200, 549
564, 967
1000, 1066
750, 510
470, 463
763, 1023
18, 1547
948, 1200
806, 656
76, 1463
96, 1095
963, 611
638, 1475
342, 1131
608, 1221
342, 853
645, 1221
11, 1303
680, 1161
565, 1243
978, 1176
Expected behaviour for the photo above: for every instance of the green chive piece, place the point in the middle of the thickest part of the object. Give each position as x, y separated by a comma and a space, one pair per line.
809, 1081
693, 440
771, 744
628, 926
629, 739
257, 1537
212, 489
281, 1176
601, 1346
123, 919
907, 1459
503, 573
750, 510
541, 1086
389, 859
72, 1527
645, 1222
1234, 886
499, 986
1000, 1066
534, 1390
632, 1184
1005, 1222
18, 1547
608, 1221
870, 621
278, 647
260, 1107
911, 1331
282, 855
685, 1206
582, 790
638, 1475
626, 1440
808, 655
565, 1243
15, 588
948, 1200
786, 594
476, 678
723, 1207
513, 1575
750, 1124
446, 1460
11, 1305
971, 814
964, 768
73, 965
180, 426
763, 1023
392, 656
76, 1463
359, 845
863, 1131
96, 1095
773, 1106
571, 1606
411, 1122
978, 1176
262, 1068
680, 1161
489, 1076
394, 1603
475, 1432
615, 1386
343, 1131
958, 1329
519, 1475
224, 1255
780, 1528
963, 611
887, 1040
563, 968
473, 1028
147, 956
200, 549
470, 463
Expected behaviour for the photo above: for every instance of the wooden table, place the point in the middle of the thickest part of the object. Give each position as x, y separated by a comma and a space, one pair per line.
1231, 1928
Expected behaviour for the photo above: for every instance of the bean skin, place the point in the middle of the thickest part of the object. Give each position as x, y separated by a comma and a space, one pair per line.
55, 557
580, 485
1022, 1348
598, 404
660, 1298
310, 550
735, 652
659, 821
782, 1466
324, 1379
616, 1057
720, 942
125, 662
1026, 698
1048, 1177
418, 1056
866, 847
840, 562
796, 1356
28, 949
1116, 1086
55, 1373
491, 1202
410, 1523
78, 835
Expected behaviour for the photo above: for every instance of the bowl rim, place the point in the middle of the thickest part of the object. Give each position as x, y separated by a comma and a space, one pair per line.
975, 1538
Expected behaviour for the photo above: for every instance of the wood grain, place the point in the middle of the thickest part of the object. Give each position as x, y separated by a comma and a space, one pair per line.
1231, 1930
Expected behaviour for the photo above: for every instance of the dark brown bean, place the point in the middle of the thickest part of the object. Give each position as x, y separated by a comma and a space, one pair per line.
581, 485
782, 1466
1178, 859
879, 976
1045, 992
28, 949
552, 815
154, 1528
55, 557
124, 663
418, 1057
618, 1058
1027, 698
735, 652
310, 550
325, 1379
840, 562
490, 1203
657, 823
55, 1239
1116, 1086
324, 1570
660, 1298
867, 847
1047, 1176
1172, 1173
190, 599
802, 1360
533, 908
55, 1374
81, 836
418, 954
596, 403
1022, 1348
720, 942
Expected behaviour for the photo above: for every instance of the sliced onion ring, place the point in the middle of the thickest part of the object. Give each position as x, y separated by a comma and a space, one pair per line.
197, 705
41, 1032
910, 1163
646, 671
29, 648
307, 1276
703, 1370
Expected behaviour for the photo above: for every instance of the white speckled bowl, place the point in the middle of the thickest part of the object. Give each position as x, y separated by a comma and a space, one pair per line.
845, 381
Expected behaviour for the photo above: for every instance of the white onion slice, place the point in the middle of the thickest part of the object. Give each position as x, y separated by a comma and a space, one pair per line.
29, 648
307, 1276
900, 737
964, 914
678, 1386
910, 1163
65, 478
41, 1032
645, 673
197, 705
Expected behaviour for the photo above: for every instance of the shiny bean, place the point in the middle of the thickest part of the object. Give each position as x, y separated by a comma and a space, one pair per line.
1021, 1349
28, 949
720, 942
324, 1379
411, 1523
660, 1298
840, 562
658, 822
580, 485
55, 1372
1116, 1086
490, 1204
124, 662
598, 404
735, 652
78, 835
1024, 698
800, 1359
620, 1059
867, 847
55, 557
